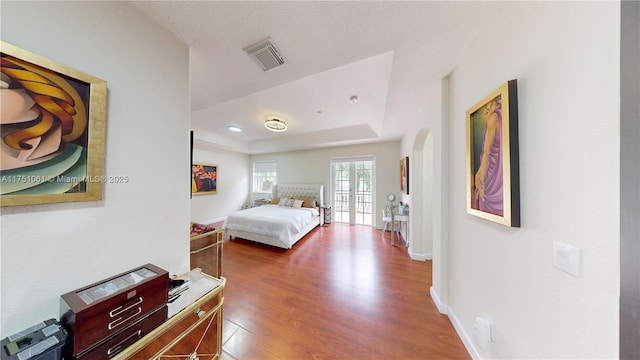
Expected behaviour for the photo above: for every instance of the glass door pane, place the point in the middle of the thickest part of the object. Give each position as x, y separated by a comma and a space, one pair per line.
353, 191
363, 192
341, 192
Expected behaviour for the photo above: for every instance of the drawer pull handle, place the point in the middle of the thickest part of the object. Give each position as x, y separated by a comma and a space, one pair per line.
200, 313
119, 310
118, 347
119, 321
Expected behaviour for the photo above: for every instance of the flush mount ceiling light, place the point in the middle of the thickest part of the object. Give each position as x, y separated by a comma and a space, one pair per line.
234, 128
275, 124
353, 99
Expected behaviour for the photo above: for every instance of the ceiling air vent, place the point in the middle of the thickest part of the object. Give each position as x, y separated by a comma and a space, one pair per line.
265, 54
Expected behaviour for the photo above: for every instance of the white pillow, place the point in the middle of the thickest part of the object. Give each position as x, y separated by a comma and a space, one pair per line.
297, 203
285, 202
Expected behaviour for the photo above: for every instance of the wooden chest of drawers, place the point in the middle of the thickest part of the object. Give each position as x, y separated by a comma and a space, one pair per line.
99, 313
115, 344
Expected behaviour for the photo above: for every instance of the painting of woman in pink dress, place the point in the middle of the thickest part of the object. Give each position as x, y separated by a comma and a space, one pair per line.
493, 167
488, 180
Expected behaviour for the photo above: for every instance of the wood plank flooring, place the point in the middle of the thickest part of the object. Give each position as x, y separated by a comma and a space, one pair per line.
342, 292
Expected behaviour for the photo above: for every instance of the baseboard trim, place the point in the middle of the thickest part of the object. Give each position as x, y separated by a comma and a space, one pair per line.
466, 340
457, 325
443, 308
421, 257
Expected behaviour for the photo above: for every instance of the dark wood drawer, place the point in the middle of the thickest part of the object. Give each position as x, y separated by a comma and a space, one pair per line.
114, 345
108, 314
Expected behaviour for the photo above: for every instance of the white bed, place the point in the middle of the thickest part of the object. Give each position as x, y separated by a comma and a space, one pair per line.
278, 225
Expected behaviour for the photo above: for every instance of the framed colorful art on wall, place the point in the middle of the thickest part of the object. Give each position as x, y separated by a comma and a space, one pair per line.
53, 126
204, 179
493, 181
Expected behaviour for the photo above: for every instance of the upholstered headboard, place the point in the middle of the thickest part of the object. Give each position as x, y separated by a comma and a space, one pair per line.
301, 191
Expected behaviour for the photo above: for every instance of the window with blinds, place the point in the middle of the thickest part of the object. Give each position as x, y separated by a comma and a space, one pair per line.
264, 176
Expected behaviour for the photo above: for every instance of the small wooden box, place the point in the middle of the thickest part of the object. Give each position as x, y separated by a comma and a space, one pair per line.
99, 311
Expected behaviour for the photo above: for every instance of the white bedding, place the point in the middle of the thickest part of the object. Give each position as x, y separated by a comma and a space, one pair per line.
280, 222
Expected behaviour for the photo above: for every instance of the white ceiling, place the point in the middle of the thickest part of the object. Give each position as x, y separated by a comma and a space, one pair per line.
386, 53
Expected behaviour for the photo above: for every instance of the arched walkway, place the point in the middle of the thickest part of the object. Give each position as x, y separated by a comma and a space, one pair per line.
421, 190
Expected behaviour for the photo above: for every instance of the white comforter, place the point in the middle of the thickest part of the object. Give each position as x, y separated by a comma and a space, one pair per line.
271, 220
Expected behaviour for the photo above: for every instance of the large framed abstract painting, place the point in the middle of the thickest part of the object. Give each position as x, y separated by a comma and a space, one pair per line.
404, 175
493, 180
53, 125
204, 179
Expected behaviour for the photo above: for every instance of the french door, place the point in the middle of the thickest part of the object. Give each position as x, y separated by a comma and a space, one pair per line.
353, 191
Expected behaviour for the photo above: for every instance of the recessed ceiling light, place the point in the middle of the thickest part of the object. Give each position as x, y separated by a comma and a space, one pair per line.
275, 124
234, 128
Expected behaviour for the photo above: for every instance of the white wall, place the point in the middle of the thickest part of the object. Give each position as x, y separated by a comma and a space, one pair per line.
440, 267
48, 250
314, 167
565, 57
233, 184
423, 144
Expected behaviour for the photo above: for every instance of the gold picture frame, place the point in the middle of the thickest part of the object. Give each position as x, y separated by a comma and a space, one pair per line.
204, 179
53, 141
493, 180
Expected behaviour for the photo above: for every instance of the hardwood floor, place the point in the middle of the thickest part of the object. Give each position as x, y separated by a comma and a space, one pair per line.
342, 292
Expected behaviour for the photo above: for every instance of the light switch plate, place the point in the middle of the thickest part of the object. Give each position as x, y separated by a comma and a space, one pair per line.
566, 258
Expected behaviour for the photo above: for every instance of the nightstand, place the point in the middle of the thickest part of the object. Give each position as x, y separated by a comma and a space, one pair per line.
260, 202
326, 214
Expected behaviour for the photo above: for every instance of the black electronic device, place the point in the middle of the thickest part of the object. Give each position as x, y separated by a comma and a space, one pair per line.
43, 341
